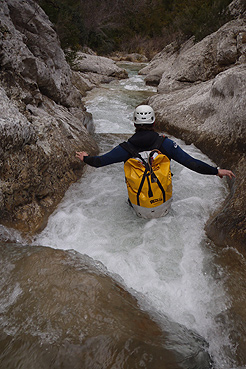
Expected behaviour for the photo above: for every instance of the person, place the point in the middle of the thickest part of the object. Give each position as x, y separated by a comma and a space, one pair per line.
144, 139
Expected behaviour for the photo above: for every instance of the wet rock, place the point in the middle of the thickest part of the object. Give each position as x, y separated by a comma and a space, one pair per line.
60, 309
233, 264
43, 121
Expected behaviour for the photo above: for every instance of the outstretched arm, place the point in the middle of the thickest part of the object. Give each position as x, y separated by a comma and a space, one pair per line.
116, 155
173, 151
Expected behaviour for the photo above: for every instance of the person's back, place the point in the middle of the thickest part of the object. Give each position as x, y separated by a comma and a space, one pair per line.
148, 175
146, 139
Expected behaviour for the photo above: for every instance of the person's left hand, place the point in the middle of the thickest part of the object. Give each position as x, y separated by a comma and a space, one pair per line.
81, 155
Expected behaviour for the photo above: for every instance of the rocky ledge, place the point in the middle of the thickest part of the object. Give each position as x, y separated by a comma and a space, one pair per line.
201, 99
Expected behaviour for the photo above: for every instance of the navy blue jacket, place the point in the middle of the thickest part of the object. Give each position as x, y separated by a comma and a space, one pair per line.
144, 141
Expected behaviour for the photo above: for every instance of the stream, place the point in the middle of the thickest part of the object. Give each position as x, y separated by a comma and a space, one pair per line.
169, 260
168, 263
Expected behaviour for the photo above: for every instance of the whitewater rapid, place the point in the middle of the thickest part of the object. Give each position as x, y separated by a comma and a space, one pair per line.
169, 261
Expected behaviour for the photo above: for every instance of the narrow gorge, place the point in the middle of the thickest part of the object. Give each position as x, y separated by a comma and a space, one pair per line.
84, 283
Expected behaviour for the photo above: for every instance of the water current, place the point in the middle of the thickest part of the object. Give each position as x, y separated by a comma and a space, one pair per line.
169, 261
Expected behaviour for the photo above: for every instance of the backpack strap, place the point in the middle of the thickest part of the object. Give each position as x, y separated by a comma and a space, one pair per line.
130, 148
141, 185
162, 189
148, 168
159, 141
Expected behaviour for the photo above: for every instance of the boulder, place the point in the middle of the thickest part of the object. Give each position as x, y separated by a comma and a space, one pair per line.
61, 309
38, 160
97, 69
164, 61
43, 121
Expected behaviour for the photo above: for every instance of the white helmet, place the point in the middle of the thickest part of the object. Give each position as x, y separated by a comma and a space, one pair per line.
144, 114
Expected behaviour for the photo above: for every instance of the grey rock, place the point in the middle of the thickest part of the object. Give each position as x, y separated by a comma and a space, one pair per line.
176, 66
237, 8
133, 57
102, 67
201, 99
30, 46
211, 114
43, 121
15, 129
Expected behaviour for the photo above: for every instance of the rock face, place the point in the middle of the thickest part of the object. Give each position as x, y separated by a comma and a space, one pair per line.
43, 121
133, 57
201, 98
91, 70
176, 67
62, 310
30, 49
163, 62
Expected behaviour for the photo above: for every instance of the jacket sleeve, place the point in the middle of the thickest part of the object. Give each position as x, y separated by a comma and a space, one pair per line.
173, 151
116, 155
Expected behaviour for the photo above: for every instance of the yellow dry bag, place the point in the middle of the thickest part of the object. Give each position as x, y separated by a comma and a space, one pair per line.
148, 178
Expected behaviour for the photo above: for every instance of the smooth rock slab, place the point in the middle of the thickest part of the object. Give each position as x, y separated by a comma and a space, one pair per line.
60, 309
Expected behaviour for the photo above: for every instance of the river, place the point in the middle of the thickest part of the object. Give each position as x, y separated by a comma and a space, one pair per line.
169, 262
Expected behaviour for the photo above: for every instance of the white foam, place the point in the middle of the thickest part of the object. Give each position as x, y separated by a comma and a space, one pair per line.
162, 258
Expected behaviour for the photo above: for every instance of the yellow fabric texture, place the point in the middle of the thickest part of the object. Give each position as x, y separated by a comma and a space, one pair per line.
134, 171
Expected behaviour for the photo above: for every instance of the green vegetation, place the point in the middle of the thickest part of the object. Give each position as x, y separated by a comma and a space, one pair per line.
133, 25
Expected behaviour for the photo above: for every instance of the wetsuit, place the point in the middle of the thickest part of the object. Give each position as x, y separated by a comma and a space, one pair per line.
145, 141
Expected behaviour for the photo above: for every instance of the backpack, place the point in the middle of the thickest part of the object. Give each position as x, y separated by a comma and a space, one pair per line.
148, 178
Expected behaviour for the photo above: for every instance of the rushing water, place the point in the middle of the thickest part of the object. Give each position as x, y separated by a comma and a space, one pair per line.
169, 260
